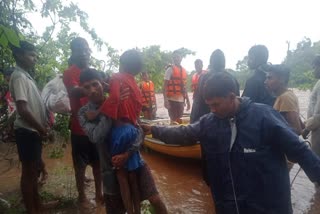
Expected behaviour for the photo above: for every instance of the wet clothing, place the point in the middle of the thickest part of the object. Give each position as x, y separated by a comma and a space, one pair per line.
255, 89
176, 110
313, 121
177, 80
287, 102
83, 151
122, 138
23, 88
246, 158
71, 79
199, 106
29, 145
128, 109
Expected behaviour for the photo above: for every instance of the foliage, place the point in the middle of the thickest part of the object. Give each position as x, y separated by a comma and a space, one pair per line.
61, 125
299, 61
242, 71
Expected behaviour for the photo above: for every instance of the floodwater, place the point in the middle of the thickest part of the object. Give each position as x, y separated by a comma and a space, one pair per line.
178, 180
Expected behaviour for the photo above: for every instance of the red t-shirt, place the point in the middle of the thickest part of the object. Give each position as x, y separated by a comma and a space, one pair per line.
71, 78
128, 109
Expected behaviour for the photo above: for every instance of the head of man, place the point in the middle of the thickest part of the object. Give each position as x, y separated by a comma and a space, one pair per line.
217, 61
131, 62
7, 74
91, 82
145, 76
80, 53
277, 78
316, 67
220, 94
25, 55
198, 65
257, 55
176, 58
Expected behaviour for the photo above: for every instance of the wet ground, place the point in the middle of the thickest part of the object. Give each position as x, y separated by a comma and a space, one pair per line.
178, 180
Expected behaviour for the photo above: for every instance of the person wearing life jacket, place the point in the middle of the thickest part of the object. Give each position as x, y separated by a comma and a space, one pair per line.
198, 64
149, 104
174, 89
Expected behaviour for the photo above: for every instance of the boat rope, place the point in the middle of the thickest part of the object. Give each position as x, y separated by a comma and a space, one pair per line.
294, 178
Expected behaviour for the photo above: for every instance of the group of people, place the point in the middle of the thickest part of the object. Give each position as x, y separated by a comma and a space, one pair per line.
246, 141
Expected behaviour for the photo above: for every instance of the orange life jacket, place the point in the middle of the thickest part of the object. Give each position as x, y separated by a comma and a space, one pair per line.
148, 96
195, 80
178, 81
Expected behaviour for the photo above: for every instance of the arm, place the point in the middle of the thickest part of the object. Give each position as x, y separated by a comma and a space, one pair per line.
28, 117
187, 100
72, 85
286, 141
293, 119
165, 98
96, 130
182, 135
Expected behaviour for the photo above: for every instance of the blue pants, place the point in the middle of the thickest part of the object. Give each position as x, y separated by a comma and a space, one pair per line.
122, 139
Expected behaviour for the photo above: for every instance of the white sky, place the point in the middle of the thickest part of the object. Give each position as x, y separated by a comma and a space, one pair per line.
205, 25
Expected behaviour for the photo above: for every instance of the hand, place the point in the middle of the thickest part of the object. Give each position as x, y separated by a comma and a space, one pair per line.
43, 132
91, 115
124, 94
305, 133
167, 104
119, 160
146, 128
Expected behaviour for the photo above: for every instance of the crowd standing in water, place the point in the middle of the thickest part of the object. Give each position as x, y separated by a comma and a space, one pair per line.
245, 141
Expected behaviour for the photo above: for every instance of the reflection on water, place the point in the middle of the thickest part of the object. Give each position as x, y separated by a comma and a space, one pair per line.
178, 180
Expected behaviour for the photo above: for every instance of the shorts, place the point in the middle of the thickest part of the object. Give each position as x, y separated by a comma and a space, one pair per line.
29, 145
121, 140
176, 110
147, 187
83, 151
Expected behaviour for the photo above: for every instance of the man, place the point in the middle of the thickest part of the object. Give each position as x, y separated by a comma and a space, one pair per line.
30, 124
286, 101
149, 103
98, 131
217, 65
255, 89
174, 89
245, 146
198, 65
83, 151
313, 121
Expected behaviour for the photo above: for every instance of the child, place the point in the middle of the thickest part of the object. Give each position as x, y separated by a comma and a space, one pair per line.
125, 115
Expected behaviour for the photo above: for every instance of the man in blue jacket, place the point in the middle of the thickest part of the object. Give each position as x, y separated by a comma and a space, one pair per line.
245, 146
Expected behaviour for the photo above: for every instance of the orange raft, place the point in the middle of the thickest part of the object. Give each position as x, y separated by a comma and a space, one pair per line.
193, 151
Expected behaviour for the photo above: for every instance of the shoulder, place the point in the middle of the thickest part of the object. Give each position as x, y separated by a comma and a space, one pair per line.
72, 70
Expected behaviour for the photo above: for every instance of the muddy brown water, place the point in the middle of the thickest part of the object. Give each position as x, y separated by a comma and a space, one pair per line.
178, 180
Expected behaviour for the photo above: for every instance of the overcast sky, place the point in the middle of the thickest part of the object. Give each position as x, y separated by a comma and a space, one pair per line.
205, 25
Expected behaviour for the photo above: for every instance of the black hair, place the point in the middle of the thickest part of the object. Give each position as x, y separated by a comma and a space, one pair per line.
177, 52
217, 61
23, 47
219, 85
260, 52
280, 71
316, 61
198, 60
90, 74
76, 42
131, 61
8, 71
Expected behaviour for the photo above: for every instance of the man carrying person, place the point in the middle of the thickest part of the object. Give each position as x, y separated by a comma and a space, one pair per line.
174, 89
149, 103
83, 151
98, 131
245, 145
30, 124
286, 101
255, 88
313, 121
